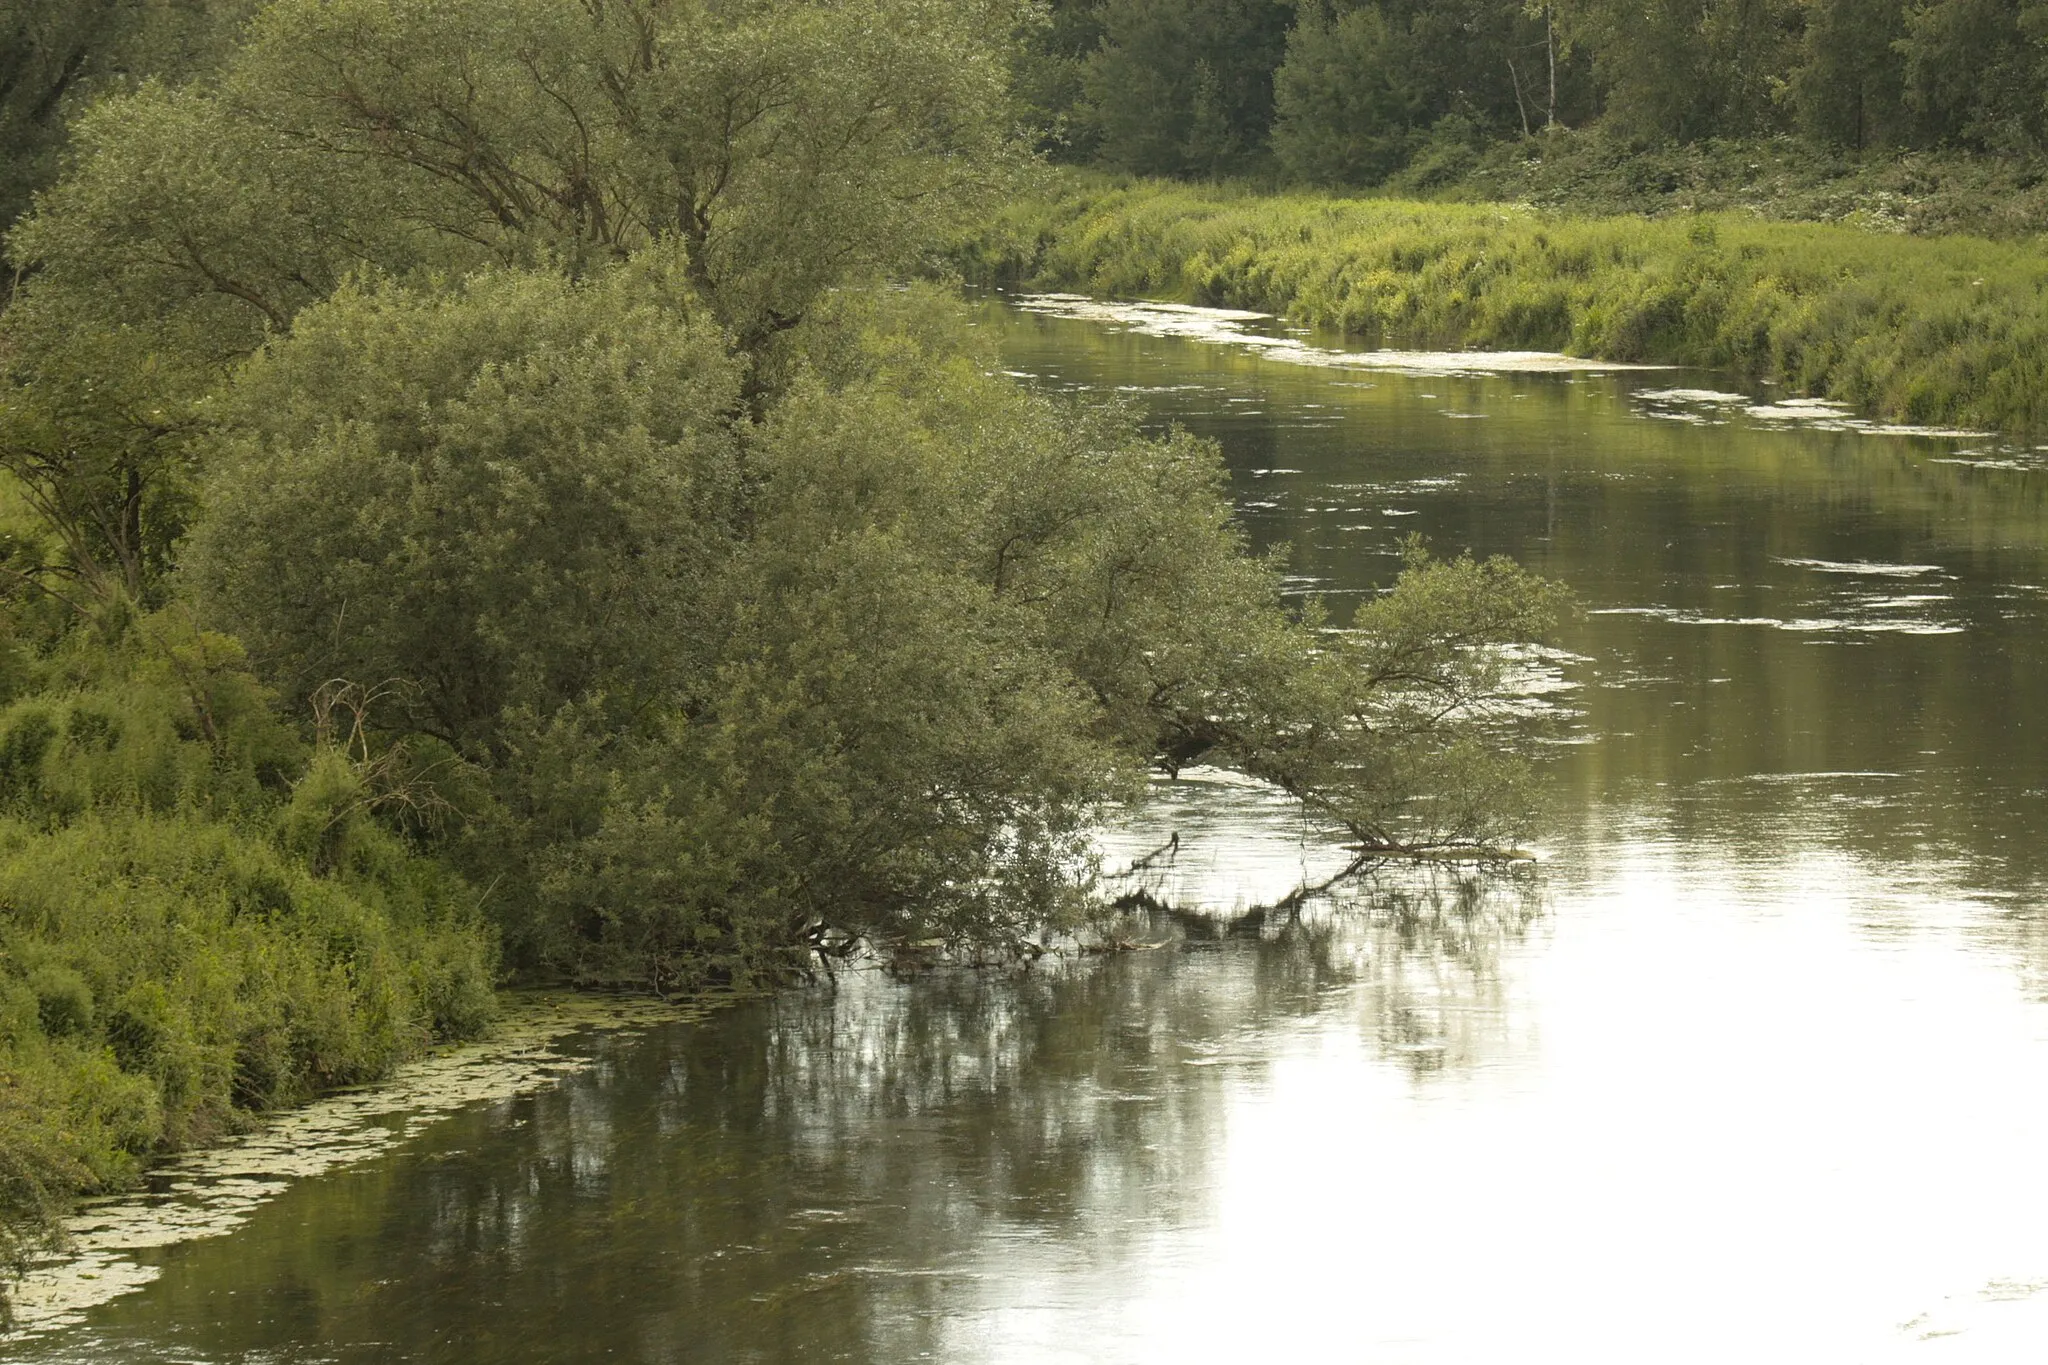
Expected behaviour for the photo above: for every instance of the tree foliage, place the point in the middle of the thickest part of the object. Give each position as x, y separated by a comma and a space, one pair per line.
1350, 99
506, 493
1184, 86
1365, 85
787, 147
466, 452
865, 668
55, 55
1849, 86
1361, 91
790, 144
1976, 71
1685, 69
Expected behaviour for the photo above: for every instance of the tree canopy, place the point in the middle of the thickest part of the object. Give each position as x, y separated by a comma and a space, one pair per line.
789, 145
513, 373
1353, 91
867, 667
57, 55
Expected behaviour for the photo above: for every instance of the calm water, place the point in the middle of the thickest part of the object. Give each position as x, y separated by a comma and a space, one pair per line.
1756, 1067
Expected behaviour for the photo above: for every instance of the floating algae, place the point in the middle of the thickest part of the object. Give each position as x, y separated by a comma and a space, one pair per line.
210, 1192
1233, 326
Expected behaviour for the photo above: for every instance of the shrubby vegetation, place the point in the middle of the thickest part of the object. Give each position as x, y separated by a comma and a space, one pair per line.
1950, 332
201, 914
478, 506
1593, 173
863, 668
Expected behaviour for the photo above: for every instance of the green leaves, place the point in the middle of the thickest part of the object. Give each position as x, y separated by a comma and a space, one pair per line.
1419, 750
1184, 87
782, 148
520, 358
509, 495
790, 145
56, 55
870, 666
1974, 72
1350, 98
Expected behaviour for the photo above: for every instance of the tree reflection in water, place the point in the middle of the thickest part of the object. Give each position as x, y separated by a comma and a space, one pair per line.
836, 1173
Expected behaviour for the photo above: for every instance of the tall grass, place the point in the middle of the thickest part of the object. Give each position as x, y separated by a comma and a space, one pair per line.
176, 953
1950, 330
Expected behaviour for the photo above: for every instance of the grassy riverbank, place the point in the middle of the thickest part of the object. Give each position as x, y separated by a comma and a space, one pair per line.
199, 922
1948, 330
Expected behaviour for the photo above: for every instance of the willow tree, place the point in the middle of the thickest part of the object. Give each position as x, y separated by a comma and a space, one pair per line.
57, 55
523, 360
788, 145
868, 667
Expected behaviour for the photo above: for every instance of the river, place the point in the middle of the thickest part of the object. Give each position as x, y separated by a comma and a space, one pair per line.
1752, 1065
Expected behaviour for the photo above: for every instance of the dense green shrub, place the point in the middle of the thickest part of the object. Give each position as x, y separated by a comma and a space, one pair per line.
716, 686
509, 494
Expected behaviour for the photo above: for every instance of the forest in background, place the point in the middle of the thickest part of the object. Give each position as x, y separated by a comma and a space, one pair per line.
1912, 113
1894, 114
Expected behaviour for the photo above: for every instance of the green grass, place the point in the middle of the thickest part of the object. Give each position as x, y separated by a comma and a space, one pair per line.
1945, 330
200, 920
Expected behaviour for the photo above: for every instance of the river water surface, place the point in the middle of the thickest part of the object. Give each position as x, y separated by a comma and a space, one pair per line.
1753, 1066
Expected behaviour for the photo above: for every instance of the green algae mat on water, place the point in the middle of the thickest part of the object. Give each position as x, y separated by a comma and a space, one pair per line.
213, 1191
1949, 331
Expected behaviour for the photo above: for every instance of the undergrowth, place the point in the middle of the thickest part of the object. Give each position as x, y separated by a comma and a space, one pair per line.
201, 917
1594, 173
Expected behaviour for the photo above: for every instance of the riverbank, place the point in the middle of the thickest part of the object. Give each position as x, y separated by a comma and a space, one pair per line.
210, 1191
171, 982
201, 922
1948, 331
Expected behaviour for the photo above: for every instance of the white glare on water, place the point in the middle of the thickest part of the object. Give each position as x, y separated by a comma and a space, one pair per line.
1699, 1124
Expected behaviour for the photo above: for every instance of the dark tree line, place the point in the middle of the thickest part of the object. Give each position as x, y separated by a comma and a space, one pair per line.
1328, 91
1349, 91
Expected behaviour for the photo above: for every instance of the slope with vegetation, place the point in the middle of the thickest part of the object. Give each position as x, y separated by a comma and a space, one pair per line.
1951, 331
474, 500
